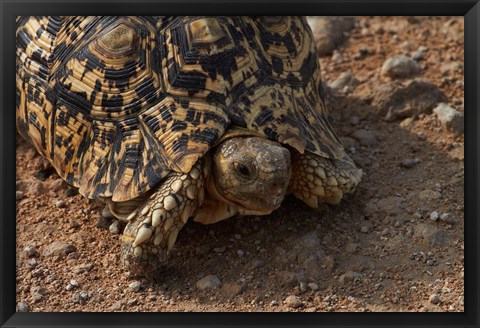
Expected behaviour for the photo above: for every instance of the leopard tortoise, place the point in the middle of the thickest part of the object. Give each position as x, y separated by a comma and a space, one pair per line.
171, 118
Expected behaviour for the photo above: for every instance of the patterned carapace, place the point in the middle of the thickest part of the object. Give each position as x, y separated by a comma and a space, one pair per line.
116, 103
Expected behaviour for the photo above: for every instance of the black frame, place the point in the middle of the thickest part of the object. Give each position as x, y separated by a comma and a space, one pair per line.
470, 9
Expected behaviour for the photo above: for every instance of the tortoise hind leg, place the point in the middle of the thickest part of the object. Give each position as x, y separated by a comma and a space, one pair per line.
153, 228
316, 180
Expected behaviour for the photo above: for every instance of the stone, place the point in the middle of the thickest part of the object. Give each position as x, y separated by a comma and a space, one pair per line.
327, 263
429, 195
22, 307
208, 282
330, 32
392, 205
409, 163
60, 204
397, 101
365, 138
345, 79
451, 67
293, 302
115, 227
59, 248
449, 218
135, 286
434, 299
232, 289
19, 195
30, 251
450, 118
347, 277
400, 67
431, 235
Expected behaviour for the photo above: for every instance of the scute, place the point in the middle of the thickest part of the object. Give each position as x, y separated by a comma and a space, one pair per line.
117, 103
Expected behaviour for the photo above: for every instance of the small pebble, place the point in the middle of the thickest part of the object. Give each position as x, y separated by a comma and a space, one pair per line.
303, 286
60, 204
115, 227
451, 119
208, 282
313, 286
19, 195
448, 218
135, 286
293, 302
365, 137
418, 55
32, 263
361, 54
400, 67
240, 252
219, 249
354, 120
434, 216
22, 307
74, 283
30, 251
434, 299
408, 163
364, 229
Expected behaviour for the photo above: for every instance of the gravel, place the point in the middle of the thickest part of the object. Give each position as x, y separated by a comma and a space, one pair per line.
400, 67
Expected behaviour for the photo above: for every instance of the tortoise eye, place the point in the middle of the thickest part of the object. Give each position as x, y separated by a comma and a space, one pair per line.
118, 42
243, 170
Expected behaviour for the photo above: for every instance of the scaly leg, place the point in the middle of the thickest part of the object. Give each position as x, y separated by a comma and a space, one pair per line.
316, 180
153, 228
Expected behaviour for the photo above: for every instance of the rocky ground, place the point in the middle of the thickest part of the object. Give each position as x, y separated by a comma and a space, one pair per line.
395, 87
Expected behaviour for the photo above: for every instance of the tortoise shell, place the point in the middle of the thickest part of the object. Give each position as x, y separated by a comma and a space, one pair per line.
116, 103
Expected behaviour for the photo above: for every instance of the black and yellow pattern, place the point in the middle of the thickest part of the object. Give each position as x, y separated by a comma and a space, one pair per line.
116, 103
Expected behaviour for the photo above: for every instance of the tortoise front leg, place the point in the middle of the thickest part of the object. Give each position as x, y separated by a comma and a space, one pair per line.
316, 180
153, 228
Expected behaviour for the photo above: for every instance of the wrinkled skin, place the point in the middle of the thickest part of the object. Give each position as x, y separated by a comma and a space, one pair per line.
251, 173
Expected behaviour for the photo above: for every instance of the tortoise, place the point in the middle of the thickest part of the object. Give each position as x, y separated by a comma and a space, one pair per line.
167, 119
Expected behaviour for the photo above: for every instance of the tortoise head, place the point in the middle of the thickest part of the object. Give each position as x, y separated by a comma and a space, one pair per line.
250, 172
